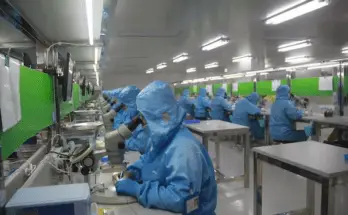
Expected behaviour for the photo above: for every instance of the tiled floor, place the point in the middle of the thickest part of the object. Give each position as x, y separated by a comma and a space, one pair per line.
282, 191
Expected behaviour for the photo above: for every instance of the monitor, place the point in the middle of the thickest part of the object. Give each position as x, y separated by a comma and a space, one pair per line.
67, 78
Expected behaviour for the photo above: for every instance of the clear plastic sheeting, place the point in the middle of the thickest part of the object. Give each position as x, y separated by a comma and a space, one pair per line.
9, 94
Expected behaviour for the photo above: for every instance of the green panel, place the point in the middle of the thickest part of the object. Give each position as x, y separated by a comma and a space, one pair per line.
200, 86
66, 108
284, 82
308, 87
76, 96
193, 89
264, 88
345, 85
245, 88
216, 87
36, 92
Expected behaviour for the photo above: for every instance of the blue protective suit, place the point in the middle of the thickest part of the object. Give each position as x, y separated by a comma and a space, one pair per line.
139, 140
244, 108
115, 95
219, 106
126, 97
170, 173
202, 103
283, 115
186, 103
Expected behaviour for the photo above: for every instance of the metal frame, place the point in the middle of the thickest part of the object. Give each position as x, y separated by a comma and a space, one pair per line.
327, 185
220, 176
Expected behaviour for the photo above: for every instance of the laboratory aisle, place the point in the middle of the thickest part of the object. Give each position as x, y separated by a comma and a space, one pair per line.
283, 191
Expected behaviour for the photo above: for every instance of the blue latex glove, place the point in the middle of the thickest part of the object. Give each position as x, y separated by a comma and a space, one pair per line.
309, 130
136, 173
128, 187
262, 123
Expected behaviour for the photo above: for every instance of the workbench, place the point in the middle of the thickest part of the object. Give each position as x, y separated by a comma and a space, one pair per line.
318, 162
215, 129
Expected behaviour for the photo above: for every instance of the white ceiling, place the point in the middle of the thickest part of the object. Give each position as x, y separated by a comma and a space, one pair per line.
143, 33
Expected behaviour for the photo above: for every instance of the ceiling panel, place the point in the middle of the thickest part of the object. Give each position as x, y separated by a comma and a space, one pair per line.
63, 20
8, 34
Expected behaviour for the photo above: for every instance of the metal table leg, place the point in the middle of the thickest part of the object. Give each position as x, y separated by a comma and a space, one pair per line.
317, 129
205, 141
328, 198
217, 152
257, 186
310, 201
246, 160
267, 136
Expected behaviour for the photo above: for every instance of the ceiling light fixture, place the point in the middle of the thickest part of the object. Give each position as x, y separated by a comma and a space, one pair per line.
214, 78
345, 50
181, 57
237, 75
294, 45
211, 65
89, 13
190, 70
241, 58
297, 59
264, 73
97, 77
95, 67
161, 66
215, 43
149, 71
294, 10
251, 74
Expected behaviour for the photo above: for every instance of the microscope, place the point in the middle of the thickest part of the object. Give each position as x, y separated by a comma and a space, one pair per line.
108, 118
299, 101
86, 159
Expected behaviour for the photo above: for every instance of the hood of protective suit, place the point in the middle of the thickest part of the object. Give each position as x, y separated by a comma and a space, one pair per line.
163, 115
128, 96
253, 98
186, 93
283, 92
116, 92
221, 92
202, 92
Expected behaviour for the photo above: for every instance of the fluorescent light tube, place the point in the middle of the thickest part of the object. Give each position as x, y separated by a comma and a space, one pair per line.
297, 59
214, 78
97, 77
237, 75
250, 74
199, 80
96, 56
149, 71
161, 65
294, 45
215, 43
264, 73
89, 13
181, 57
190, 70
211, 65
295, 10
324, 66
95, 67
241, 58
345, 50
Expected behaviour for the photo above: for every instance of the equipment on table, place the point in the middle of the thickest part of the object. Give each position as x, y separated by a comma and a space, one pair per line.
299, 101
70, 199
328, 113
106, 108
86, 115
114, 140
108, 118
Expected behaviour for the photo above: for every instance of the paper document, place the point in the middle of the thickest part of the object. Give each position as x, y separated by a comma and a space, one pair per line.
235, 87
325, 83
209, 89
9, 94
275, 84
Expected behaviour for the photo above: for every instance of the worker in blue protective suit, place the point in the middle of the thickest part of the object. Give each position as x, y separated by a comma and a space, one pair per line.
129, 110
115, 97
220, 107
243, 111
283, 115
176, 170
202, 105
186, 102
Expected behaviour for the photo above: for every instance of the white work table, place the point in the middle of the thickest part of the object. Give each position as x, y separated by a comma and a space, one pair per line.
129, 209
215, 129
318, 162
